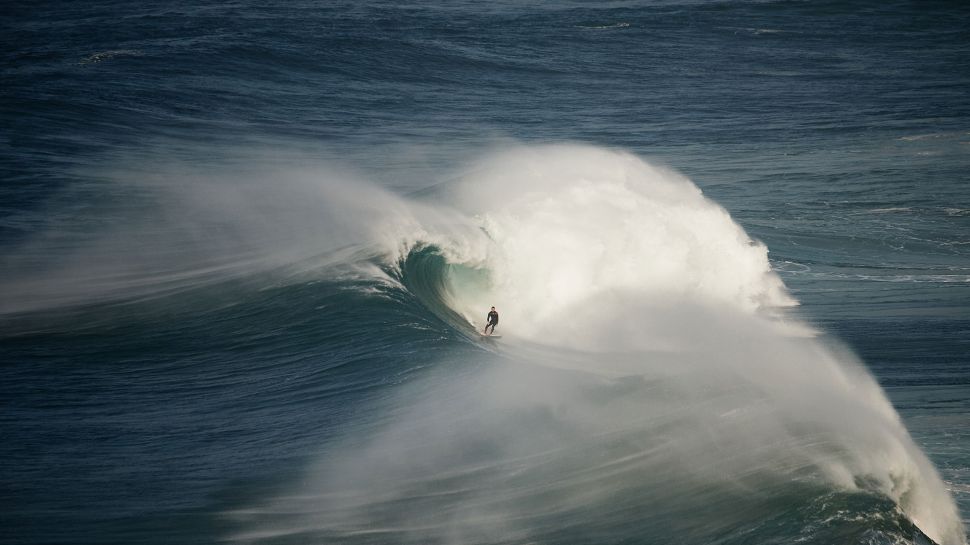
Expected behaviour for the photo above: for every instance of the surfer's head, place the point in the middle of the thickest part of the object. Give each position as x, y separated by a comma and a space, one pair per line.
493, 308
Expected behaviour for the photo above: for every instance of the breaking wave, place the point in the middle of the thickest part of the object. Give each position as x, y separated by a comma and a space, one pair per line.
649, 380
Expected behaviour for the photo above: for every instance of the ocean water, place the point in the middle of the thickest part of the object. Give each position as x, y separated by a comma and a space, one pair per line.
246, 251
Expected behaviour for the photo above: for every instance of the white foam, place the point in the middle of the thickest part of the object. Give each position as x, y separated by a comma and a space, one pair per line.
570, 224
598, 250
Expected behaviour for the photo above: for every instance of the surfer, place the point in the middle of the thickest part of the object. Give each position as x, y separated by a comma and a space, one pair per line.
492, 321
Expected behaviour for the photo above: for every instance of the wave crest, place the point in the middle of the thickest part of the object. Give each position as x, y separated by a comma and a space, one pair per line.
569, 225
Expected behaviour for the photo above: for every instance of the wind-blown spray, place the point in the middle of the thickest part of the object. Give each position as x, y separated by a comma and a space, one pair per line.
650, 383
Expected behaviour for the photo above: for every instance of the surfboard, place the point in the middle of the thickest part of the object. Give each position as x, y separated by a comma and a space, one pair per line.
484, 336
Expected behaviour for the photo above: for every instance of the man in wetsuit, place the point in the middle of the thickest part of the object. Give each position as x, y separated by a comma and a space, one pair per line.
492, 321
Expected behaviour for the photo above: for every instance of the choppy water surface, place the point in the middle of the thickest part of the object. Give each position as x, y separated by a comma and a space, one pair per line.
246, 251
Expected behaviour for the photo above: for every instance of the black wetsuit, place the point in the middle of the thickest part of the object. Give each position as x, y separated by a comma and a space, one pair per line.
492, 321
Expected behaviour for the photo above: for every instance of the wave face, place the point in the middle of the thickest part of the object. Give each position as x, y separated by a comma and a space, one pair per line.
650, 382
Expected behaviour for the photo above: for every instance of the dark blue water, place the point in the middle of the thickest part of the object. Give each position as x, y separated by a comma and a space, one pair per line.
204, 335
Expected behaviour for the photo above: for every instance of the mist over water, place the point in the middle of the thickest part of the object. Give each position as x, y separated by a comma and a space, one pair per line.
164, 228
648, 371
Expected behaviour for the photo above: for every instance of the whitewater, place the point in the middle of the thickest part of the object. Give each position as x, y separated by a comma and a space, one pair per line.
654, 376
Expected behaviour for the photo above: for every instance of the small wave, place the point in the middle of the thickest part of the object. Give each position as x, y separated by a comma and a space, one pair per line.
934, 136
948, 210
790, 267
890, 210
918, 137
105, 55
958, 488
903, 278
604, 27
754, 31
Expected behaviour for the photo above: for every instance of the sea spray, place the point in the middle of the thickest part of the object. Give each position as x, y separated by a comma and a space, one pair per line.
157, 228
645, 387
569, 223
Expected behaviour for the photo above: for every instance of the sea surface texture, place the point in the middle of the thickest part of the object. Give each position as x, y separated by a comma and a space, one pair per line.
247, 249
